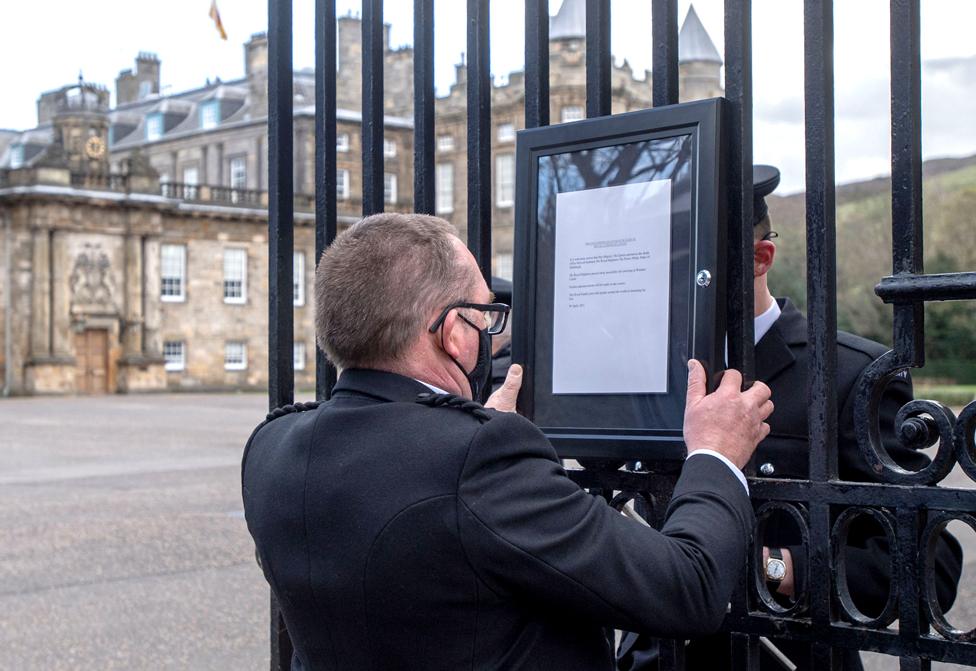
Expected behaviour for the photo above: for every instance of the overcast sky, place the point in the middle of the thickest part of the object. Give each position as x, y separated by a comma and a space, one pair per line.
47, 42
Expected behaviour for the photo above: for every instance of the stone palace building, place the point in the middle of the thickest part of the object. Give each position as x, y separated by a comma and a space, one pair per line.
133, 238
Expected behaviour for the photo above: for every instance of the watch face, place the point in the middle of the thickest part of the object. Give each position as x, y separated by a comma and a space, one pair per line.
775, 569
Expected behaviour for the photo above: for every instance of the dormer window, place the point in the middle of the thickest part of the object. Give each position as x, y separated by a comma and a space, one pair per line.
16, 156
210, 114
154, 127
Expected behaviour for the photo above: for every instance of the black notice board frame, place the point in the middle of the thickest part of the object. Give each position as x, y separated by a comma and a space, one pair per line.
702, 122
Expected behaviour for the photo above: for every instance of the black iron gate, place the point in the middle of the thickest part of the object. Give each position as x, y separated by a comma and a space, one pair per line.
911, 508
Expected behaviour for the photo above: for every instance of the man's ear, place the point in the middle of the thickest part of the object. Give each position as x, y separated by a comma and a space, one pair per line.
763, 253
449, 335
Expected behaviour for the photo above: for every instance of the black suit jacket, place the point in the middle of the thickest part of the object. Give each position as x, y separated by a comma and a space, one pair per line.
402, 536
781, 362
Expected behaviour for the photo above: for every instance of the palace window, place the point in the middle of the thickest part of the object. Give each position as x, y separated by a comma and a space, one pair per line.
235, 355
389, 148
342, 184
503, 266
445, 143
342, 142
571, 113
210, 114
16, 156
299, 278
444, 184
506, 132
504, 180
154, 127
172, 273
174, 353
235, 275
238, 172
389, 188
191, 178
299, 355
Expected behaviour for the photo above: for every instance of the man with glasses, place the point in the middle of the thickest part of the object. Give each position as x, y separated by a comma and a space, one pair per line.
781, 363
402, 525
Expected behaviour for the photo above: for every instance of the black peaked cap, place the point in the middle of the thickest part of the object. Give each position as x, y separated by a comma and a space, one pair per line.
765, 179
502, 289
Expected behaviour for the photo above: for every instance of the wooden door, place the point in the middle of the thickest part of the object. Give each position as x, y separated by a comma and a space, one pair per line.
91, 353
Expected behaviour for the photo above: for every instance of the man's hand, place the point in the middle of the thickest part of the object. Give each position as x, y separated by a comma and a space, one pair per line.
505, 396
728, 421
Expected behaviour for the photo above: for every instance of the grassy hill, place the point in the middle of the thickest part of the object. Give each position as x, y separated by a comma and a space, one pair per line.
864, 257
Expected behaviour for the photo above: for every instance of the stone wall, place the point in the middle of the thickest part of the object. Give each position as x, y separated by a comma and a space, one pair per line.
205, 322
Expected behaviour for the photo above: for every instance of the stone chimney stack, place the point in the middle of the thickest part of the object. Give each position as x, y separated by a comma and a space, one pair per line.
256, 55
256, 71
130, 87
349, 32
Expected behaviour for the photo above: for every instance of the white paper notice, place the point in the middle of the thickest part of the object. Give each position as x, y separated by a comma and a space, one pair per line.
612, 290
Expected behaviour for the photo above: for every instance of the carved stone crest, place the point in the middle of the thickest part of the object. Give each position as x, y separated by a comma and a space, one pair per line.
91, 280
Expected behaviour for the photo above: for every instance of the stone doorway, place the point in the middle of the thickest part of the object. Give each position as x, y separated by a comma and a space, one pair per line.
91, 354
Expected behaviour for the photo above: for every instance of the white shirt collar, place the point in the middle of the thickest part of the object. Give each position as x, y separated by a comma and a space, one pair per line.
765, 321
436, 390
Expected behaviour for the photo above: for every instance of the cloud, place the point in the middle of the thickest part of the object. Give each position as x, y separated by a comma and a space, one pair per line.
949, 107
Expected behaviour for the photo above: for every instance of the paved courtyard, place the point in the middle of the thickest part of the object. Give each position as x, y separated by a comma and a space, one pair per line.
124, 545
123, 541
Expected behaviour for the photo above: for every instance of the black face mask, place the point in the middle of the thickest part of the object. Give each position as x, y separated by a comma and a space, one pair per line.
480, 375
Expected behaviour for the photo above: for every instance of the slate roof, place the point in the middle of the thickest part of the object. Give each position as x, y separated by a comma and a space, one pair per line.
694, 44
569, 22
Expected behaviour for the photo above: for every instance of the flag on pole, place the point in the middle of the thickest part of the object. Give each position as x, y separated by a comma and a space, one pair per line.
215, 15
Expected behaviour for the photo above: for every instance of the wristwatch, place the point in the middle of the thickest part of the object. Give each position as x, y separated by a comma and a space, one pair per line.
775, 568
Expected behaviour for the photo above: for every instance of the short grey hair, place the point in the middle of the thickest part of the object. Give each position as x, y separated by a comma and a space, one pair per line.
378, 283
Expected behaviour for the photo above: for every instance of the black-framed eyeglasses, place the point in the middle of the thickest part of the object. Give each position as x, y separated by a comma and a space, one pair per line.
494, 316
772, 235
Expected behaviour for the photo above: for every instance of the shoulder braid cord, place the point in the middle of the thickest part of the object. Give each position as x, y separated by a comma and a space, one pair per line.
454, 401
289, 409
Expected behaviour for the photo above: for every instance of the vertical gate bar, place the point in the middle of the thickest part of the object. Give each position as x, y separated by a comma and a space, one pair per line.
738, 92
821, 576
664, 28
907, 579
906, 171
914, 664
745, 652
672, 654
740, 326
818, 50
325, 160
823, 656
373, 48
536, 63
423, 106
281, 648
598, 57
745, 649
281, 204
818, 17
479, 136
